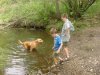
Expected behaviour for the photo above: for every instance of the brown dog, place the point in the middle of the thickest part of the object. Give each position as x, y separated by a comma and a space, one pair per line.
31, 44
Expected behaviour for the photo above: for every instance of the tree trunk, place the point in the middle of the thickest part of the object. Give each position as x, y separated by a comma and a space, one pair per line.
58, 9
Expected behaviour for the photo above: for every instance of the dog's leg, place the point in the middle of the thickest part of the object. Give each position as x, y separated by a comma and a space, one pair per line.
31, 49
25, 46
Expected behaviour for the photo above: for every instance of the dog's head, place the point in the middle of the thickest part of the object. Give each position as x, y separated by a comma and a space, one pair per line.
39, 40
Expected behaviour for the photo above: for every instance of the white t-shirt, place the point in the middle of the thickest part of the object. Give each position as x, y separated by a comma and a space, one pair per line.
65, 37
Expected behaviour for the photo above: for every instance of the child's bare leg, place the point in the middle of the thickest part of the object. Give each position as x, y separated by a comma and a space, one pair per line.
60, 59
66, 52
55, 60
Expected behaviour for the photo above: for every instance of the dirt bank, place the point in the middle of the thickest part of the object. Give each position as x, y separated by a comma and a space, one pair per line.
84, 54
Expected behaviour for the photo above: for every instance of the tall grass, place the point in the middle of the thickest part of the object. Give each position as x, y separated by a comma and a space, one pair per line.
94, 9
36, 12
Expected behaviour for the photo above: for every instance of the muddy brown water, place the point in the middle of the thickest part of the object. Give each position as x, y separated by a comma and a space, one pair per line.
17, 60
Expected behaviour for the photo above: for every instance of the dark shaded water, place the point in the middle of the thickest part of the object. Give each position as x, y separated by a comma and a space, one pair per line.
15, 60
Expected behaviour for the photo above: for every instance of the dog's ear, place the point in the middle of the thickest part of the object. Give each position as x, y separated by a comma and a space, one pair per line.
36, 41
39, 40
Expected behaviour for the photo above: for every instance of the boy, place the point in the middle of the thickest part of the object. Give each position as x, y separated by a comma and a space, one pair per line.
65, 34
57, 46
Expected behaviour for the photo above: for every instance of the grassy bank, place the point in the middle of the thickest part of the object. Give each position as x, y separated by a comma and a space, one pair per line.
39, 13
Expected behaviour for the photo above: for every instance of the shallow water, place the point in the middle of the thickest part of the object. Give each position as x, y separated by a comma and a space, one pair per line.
15, 60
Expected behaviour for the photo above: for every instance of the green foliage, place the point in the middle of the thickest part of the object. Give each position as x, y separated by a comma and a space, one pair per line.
76, 8
94, 9
41, 12
36, 12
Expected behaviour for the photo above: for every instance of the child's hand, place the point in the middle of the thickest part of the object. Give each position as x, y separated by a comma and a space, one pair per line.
58, 51
52, 47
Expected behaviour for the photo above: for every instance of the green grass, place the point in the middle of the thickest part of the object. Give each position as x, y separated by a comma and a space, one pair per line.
94, 9
20, 10
35, 12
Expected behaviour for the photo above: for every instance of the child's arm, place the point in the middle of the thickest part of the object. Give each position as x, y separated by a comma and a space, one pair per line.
67, 31
53, 45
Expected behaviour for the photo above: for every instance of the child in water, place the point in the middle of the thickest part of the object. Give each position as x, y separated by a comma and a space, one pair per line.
57, 46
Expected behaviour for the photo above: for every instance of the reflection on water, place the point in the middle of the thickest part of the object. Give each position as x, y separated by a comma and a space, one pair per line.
15, 70
19, 60
16, 65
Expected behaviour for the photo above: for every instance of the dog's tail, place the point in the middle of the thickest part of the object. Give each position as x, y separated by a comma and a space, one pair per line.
20, 42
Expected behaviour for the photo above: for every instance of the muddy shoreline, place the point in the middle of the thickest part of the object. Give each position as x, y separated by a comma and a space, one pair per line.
84, 54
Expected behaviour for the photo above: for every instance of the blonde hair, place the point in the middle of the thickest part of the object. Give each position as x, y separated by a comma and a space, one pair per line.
53, 31
64, 15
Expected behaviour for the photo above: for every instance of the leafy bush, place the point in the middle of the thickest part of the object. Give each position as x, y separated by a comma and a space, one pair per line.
42, 12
